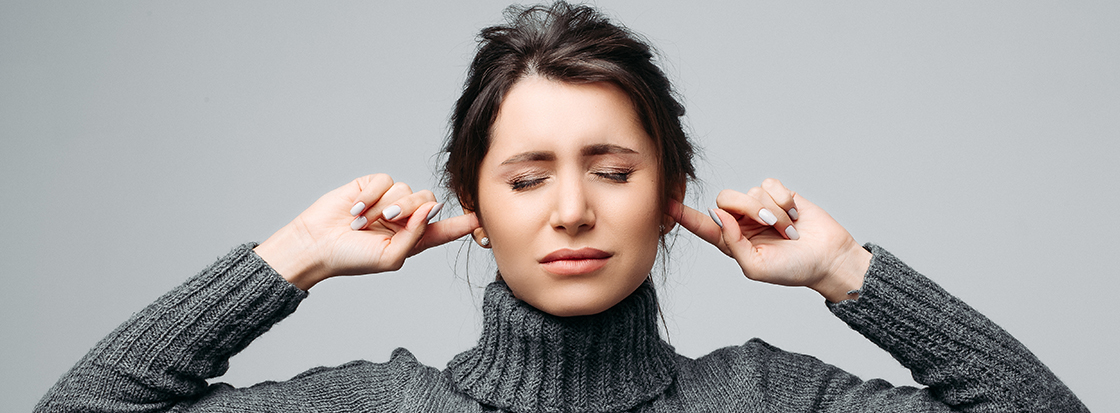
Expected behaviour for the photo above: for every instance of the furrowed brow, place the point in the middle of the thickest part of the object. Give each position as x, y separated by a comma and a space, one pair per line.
605, 149
530, 157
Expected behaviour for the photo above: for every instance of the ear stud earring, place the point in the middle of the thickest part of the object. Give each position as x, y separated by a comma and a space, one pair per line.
485, 242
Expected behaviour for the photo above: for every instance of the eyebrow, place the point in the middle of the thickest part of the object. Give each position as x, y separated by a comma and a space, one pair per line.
590, 150
604, 149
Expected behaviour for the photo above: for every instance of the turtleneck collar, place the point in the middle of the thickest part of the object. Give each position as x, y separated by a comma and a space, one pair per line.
531, 361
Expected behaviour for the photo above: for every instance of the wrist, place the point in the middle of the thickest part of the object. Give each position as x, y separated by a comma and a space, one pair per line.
846, 276
291, 257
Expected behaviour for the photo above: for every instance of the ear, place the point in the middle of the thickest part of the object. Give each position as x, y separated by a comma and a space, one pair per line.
667, 225
667, 222
480, 238
478, 234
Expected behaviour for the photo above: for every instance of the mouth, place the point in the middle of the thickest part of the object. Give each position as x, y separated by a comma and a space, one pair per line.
575, 262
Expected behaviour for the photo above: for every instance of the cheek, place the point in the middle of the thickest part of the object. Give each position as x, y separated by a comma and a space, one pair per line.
640, 216
644, 204
504, 213
510, 222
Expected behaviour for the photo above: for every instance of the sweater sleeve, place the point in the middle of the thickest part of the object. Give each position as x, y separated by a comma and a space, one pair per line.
163, 355
968, 362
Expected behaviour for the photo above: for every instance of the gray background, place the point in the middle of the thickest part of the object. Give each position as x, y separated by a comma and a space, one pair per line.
139, 141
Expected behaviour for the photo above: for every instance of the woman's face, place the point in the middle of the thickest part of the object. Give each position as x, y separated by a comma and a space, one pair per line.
569, 196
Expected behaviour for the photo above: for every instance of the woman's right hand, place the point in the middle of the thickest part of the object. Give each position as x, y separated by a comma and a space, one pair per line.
369, 225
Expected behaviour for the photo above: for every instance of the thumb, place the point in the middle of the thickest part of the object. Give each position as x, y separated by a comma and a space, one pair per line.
405, 241
738, 246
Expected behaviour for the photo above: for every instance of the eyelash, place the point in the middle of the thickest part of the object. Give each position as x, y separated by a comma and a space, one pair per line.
616, 175
523, 183
528, 181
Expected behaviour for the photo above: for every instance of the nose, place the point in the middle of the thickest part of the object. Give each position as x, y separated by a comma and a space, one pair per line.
572, 210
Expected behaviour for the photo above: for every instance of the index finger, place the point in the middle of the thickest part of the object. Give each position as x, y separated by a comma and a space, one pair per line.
696, 222
444, 231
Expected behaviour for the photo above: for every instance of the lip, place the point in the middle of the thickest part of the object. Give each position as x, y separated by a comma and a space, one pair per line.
580, 254
575, 262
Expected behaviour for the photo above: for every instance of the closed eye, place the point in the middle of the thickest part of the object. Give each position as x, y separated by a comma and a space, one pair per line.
619, 175
525, 181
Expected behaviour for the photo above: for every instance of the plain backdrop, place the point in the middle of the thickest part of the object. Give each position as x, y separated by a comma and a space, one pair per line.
139, 141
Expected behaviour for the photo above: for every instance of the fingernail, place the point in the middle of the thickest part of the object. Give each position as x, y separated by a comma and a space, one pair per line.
434, 211
358, 223
793, 214
391, 212
767, 216
792, 233
715, 217
357, 208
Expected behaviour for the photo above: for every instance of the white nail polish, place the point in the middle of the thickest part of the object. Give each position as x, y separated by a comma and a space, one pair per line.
767, 216
434, 211
391, 212
712, 213
792, 233
357, 208
358, 223
484, 241
793, 214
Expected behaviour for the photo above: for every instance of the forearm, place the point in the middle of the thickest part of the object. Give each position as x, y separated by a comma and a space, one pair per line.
965, 358
166, 352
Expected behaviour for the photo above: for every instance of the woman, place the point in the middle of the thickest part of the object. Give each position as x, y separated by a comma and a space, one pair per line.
569, 160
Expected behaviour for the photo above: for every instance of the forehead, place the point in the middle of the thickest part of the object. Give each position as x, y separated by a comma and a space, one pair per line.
540, 114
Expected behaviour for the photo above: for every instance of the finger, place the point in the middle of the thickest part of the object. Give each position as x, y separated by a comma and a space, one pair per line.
442, 232
759, 207
403, 241
781, 196
369, 189
404, 207
738, 203
376, 211
738, 246
775, 214
696, 222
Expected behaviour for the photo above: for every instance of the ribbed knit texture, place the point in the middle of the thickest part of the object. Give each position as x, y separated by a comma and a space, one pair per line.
531, 361
965, 358
166, 352
528, 361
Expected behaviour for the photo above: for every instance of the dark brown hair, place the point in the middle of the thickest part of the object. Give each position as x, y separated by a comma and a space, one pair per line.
574, 44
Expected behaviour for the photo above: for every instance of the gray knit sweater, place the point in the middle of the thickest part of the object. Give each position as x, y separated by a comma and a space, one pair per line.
530, 361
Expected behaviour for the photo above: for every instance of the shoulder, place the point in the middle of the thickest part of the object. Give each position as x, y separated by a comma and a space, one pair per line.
401, 365
758, 373
400, 383
755, 357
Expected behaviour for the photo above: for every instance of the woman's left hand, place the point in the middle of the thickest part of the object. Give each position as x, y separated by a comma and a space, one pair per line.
779, 237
